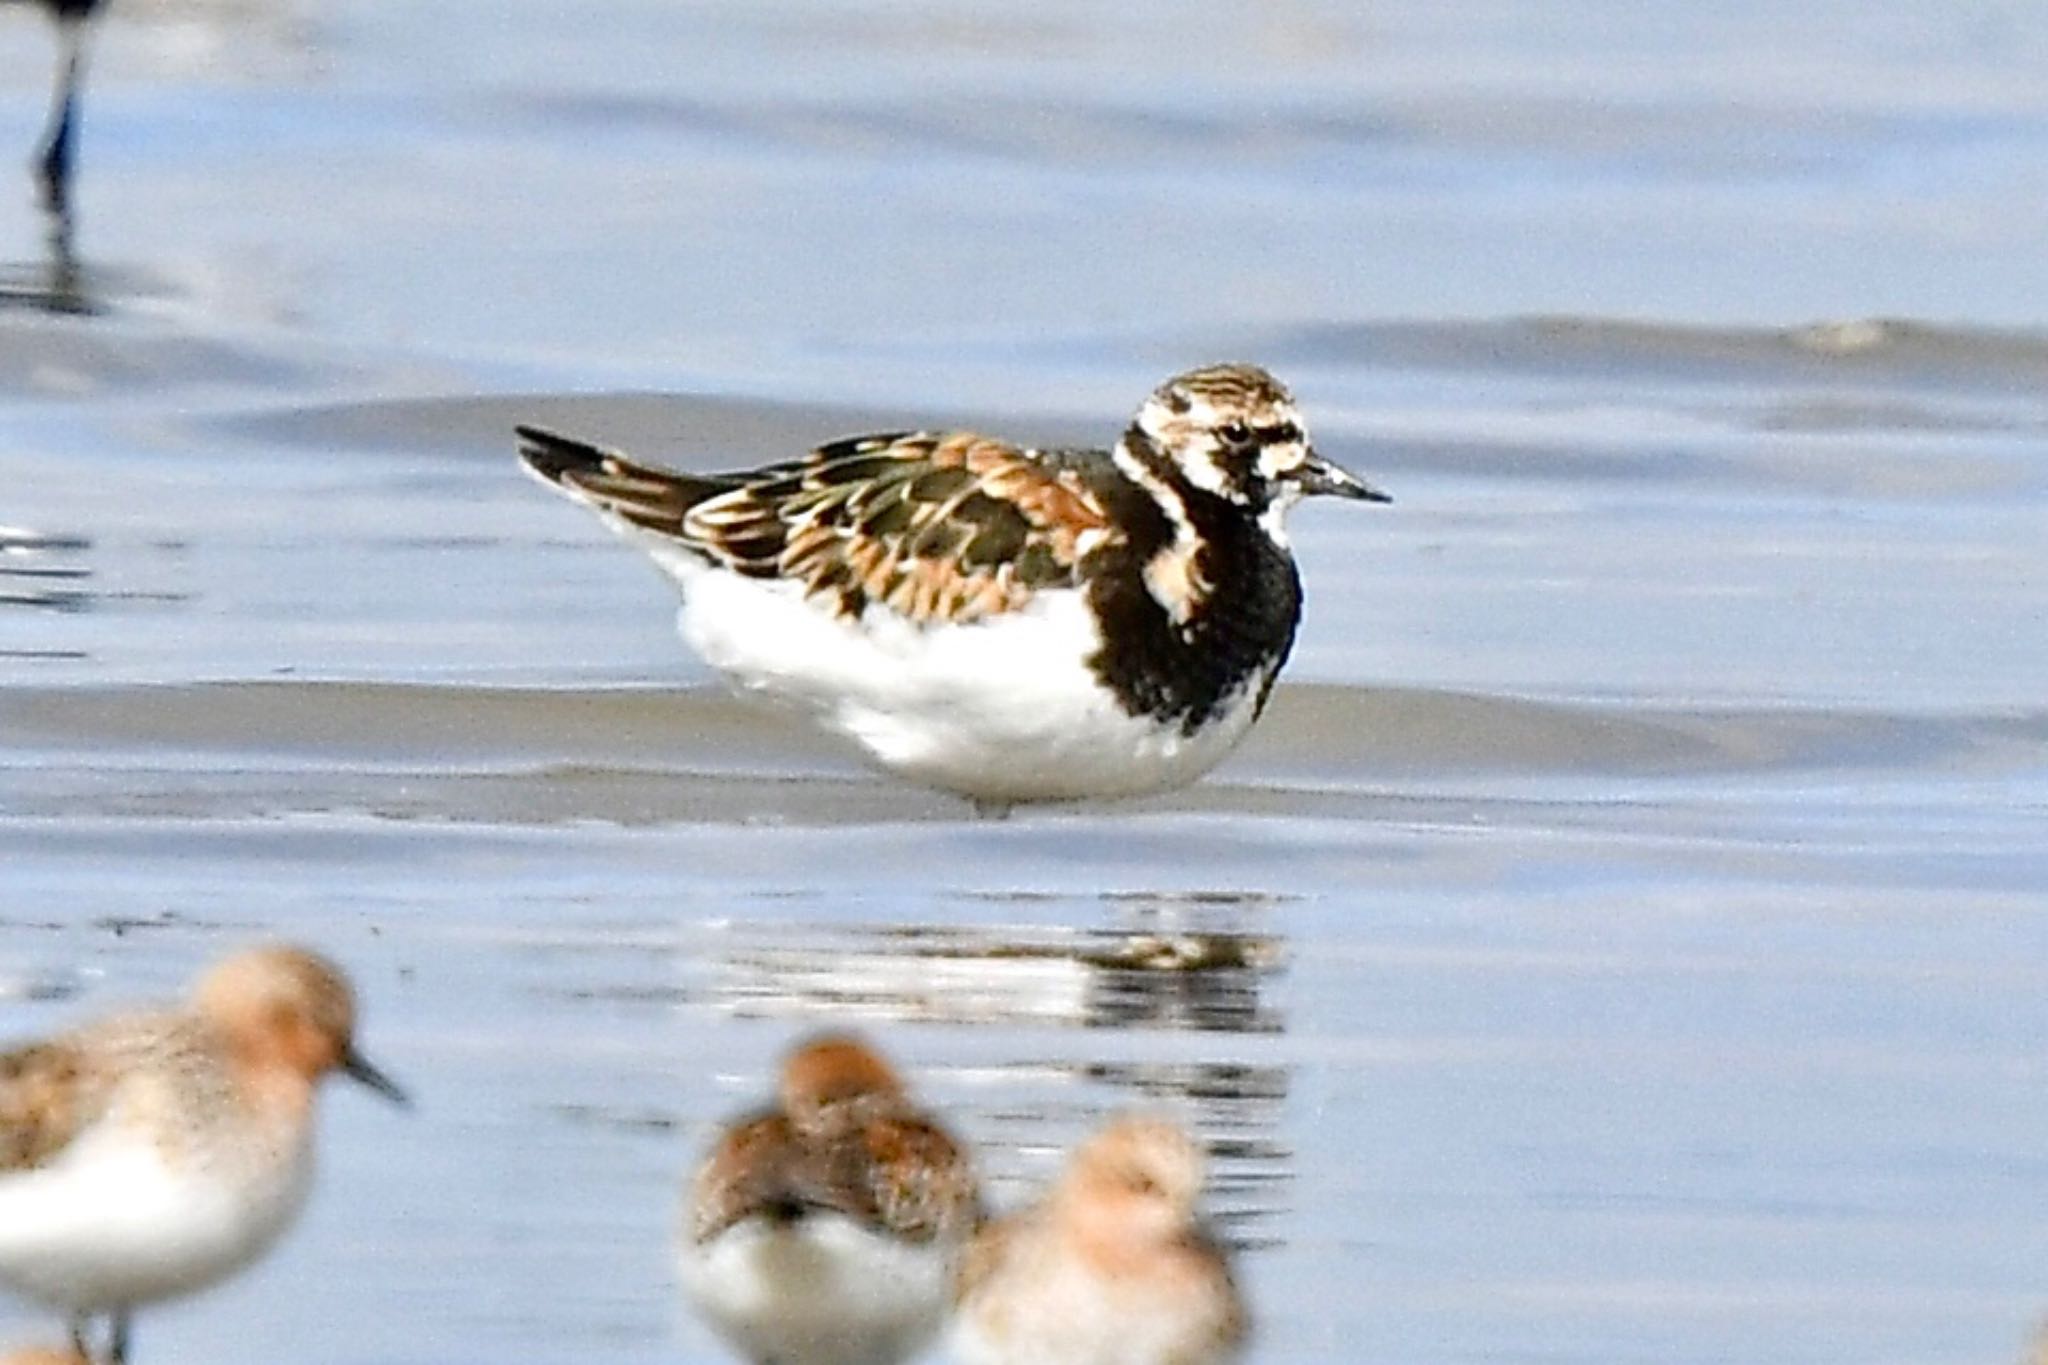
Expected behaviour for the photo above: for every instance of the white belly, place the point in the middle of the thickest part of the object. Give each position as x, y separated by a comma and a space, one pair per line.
1002, 710
109, 1224
821, 1291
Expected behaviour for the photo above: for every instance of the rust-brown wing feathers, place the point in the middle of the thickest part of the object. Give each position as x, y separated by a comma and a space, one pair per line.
748, 1173
907, 1176
49, 1093
945, 526
898, 1175
935, 526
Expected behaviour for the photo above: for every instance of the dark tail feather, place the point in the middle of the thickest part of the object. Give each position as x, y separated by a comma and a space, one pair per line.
553, 457
637, 494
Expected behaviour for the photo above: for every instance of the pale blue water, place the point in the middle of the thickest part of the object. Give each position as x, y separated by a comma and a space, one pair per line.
1626, 934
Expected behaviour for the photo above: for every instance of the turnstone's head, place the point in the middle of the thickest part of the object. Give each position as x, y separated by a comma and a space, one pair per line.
1232, 430
289, 1010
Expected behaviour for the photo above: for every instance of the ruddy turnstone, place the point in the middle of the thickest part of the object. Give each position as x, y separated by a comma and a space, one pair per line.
827, 1230
1112, 1268
1010, 624
153, 1153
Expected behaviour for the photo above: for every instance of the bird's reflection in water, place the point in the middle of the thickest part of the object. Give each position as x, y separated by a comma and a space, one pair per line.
56, 284
40, 572
1192, 963
1165, 1006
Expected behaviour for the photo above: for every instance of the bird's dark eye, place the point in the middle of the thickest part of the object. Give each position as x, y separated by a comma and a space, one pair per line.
1235, 433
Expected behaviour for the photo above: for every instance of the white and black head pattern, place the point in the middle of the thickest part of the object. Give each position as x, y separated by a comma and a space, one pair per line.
1232, 431
1200, 611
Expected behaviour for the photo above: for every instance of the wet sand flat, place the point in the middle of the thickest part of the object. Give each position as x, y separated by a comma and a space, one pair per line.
1622, 941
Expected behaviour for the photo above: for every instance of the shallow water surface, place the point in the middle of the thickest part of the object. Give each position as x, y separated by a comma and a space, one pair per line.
1622, 941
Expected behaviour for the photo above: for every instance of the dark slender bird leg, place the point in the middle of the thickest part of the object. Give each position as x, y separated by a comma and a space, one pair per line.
57, 147
79, 1323
66, 294
117, 1353
985, 809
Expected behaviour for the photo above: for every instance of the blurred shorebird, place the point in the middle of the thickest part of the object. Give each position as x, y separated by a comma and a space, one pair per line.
45, 1355
153, 1153
54, 161
1113, 1267
1004, 623
827, 1229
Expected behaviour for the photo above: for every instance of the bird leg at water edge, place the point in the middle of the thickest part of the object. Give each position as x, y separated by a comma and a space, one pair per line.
57, 151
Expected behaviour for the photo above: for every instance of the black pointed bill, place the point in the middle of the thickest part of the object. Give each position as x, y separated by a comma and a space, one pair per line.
1318, 476
357, 1067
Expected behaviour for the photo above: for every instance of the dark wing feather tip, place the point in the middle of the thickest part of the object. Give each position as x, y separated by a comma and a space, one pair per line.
642, 496
554, 457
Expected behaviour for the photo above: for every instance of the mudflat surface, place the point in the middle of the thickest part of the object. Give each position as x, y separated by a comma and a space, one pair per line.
1623, 940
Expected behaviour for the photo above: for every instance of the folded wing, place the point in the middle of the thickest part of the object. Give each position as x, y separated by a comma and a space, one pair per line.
932, 526
49, 1093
